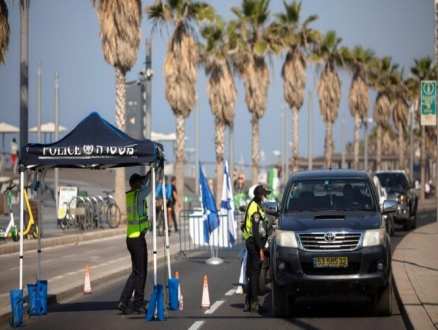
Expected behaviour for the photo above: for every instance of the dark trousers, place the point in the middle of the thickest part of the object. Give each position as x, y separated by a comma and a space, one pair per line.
175, 222
137, 279
253, 267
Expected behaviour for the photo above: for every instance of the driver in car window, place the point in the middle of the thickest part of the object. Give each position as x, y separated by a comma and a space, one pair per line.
353, 197
348, 192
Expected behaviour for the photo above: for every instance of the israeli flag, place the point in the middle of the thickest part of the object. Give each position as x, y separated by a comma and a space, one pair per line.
227, 205
210, 215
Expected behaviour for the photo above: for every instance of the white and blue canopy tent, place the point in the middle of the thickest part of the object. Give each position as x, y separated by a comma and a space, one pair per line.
94, 144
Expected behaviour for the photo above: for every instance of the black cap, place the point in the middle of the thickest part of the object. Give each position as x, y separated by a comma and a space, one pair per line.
261, 190
134, 178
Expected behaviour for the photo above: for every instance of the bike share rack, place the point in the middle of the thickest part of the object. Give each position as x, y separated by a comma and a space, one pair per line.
86, 213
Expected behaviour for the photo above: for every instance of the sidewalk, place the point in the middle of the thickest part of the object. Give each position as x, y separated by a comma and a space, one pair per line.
415, 272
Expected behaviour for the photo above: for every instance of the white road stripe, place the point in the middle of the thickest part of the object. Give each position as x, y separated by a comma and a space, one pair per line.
71, 273
196, 325
56, 278
231, 292
69, 256
214, 307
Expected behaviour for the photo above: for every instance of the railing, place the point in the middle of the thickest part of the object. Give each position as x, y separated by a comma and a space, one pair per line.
191, 234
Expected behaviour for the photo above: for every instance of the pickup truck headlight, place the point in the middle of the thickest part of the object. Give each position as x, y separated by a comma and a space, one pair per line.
374, 237
286, 238
403, 199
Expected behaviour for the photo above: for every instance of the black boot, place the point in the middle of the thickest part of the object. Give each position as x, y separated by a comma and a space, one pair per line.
246, 306
257, 308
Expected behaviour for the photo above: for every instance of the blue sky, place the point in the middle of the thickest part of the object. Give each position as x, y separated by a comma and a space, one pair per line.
64, 36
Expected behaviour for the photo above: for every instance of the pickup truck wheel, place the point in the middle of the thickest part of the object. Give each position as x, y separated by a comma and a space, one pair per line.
383, 300
280, 301
262, 282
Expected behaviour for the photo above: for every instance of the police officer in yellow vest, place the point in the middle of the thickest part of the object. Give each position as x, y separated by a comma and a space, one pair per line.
254, 234
138, 224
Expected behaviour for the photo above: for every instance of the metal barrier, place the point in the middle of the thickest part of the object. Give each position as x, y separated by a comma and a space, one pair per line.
191, 234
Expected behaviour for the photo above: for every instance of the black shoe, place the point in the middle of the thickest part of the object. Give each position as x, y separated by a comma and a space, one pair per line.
257, 308
124, 308
246, 306
139, 310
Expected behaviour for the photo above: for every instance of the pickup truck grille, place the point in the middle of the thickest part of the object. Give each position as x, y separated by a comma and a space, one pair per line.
342, 241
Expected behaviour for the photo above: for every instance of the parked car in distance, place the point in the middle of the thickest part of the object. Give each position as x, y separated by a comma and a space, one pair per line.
330, 243
400, 188
383, 196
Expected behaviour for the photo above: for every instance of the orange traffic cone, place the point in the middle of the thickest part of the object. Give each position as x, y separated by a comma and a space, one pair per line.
179, 286
87, 284
205, 303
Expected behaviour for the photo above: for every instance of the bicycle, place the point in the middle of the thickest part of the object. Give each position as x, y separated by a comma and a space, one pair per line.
11, 229
77, 213
111, 210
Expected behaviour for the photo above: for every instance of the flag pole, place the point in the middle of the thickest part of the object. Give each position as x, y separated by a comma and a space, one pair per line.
210, 218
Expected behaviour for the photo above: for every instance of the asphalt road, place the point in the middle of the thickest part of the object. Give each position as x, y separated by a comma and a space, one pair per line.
99, 309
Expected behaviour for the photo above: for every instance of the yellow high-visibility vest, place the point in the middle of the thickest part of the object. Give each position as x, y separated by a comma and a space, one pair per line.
253, 208
136, 223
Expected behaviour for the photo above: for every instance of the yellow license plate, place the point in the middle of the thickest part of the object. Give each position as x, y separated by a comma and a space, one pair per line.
330, 262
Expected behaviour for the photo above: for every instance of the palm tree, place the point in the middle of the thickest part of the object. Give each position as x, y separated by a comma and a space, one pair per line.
360, 63
4, 31
381, 80
254, 41
180, 64
400, 113
424, 69
221, 88
298, 38
120, 32
331, 56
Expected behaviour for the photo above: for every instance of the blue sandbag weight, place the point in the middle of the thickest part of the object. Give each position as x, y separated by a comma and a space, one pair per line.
160, 304
173, 293
16, 297
37, 294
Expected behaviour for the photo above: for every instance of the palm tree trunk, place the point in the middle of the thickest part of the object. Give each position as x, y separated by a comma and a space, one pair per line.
423, 161
220, 151
179, 155
356, 140
120, 190
255, 148
295, 139
379, 148
328, 144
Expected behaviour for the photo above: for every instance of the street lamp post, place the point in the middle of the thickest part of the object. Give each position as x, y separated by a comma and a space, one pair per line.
365, 123
411, 140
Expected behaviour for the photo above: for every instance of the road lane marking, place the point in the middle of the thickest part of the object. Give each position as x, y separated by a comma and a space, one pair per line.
196, 325
232, 291
71, 273
56, 278
214, 307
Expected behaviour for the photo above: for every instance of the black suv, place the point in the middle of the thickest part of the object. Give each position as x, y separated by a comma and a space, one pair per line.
400, 188
329, 242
